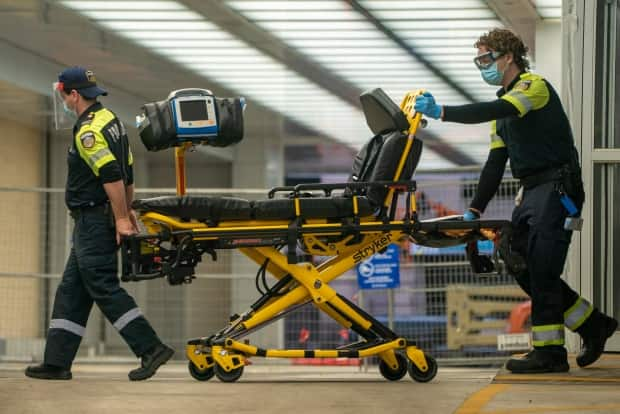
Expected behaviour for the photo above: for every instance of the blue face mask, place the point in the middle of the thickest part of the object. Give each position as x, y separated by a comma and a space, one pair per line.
492, 75
68, 111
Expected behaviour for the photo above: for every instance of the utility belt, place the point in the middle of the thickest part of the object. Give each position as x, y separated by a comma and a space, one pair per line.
557, 174
568, 184
101, 209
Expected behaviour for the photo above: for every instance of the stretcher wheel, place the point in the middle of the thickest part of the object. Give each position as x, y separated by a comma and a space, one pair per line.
200, 375
417, 375
230, 376
394, 375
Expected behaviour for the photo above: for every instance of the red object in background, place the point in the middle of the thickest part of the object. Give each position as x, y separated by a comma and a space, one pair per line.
344, 335
519, 317
304, 335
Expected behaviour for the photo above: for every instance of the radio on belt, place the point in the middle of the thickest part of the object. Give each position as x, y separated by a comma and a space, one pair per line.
191, 115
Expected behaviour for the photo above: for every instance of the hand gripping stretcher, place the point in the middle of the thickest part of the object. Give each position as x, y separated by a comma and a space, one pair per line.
345, 224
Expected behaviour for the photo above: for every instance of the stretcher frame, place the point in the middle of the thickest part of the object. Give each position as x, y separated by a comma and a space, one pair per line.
347, 243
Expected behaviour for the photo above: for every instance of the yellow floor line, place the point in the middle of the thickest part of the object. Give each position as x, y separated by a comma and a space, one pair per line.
555, 409
474, 404
552, 378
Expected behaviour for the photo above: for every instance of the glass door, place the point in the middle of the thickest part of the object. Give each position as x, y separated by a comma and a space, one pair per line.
605, 165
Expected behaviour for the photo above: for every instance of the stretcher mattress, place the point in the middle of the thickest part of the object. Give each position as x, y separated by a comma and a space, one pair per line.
215, 209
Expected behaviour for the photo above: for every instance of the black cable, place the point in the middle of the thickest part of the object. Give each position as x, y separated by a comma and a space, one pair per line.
256, 279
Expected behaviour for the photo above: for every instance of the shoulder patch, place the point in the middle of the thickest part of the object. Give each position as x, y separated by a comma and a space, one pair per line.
523, 85
87, 139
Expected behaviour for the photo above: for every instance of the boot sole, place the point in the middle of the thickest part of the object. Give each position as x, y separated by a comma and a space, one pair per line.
157, 362
43, 376
557, 368
611, 329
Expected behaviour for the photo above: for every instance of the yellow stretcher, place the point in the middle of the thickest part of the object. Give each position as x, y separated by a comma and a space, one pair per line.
344, 228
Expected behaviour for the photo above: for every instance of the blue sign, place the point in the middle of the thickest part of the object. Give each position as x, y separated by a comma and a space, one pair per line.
381, 271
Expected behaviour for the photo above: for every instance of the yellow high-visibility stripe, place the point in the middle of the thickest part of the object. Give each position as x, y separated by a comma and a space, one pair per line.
496, 140
577, 314
545, 335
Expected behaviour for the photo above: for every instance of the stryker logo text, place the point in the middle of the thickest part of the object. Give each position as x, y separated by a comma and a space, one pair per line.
368, 251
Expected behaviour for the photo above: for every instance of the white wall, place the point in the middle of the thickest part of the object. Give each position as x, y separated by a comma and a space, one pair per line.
549, 52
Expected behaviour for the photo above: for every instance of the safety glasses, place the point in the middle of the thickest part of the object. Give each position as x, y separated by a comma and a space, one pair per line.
485, 60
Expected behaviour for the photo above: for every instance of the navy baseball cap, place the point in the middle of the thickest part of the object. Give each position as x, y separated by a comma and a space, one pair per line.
82, 80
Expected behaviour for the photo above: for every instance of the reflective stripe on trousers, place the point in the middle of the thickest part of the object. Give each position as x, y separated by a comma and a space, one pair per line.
126, 318
577, 314
67, 325
545, 335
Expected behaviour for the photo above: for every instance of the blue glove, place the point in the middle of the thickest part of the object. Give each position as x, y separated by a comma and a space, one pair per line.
426, 105
471, 215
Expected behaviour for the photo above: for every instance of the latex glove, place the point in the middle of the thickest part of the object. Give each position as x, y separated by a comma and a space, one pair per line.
426, 105
471, 214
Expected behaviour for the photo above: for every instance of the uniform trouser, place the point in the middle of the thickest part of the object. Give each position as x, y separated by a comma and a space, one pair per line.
539, 236
91, 275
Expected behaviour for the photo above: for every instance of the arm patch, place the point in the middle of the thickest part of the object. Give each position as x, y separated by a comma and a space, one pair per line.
87, 139
523, 85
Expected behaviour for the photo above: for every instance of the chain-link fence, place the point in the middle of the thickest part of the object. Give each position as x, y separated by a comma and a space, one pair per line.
447, 310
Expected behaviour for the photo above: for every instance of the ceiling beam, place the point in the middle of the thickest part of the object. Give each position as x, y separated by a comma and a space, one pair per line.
520, 16
232, 22
410, 50
218, 13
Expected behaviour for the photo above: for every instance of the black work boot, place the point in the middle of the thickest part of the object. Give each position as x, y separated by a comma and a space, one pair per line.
48, 372
152, 360
594, 333
540, 360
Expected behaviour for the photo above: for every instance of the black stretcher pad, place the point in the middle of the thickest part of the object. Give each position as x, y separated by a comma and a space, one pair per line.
205, 208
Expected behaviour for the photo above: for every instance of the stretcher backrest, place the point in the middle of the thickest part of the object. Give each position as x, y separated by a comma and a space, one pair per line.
379, 158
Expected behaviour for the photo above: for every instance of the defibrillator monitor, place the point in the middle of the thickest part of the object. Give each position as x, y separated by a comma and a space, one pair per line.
191, 115
194, 113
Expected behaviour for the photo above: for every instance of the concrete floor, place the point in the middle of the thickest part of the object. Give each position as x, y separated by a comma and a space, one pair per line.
104, 388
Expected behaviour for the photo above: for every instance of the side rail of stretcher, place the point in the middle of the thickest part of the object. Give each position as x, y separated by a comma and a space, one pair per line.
176, 249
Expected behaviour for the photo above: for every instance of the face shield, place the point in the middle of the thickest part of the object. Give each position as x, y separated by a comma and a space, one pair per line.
64, 118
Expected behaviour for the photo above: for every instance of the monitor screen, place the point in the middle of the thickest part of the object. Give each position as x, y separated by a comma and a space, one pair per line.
194, 110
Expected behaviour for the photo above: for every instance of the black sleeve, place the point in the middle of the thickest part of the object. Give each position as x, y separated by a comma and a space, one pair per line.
477, 113
490, 178
129, 175
110, 172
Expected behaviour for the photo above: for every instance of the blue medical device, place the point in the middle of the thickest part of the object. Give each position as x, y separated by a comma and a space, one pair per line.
192, 116
193, 113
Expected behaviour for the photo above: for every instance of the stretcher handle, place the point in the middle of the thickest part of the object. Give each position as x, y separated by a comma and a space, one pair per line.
327, 188
275, 190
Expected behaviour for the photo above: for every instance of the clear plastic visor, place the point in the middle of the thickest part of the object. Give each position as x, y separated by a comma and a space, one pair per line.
62, 119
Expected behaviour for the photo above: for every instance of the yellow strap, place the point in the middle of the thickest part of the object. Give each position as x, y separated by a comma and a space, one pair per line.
297, 207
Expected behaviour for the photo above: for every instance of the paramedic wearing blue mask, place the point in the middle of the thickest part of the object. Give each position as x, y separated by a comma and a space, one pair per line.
99, 192
529, 127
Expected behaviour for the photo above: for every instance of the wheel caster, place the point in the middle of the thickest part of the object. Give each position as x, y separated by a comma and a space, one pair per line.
390, 374
423, 376
200, 374
230, 376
